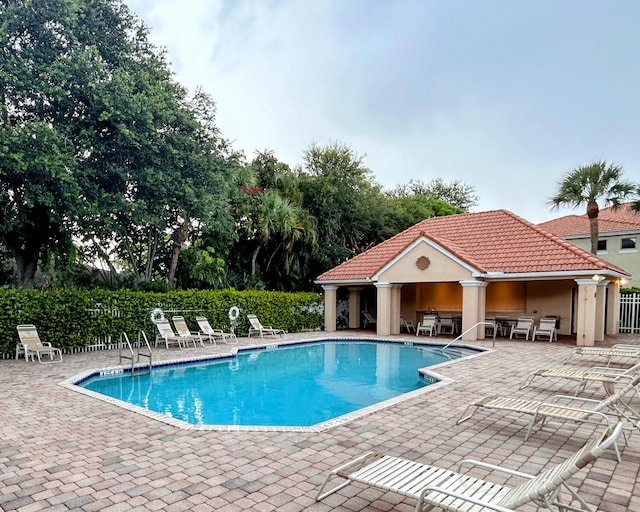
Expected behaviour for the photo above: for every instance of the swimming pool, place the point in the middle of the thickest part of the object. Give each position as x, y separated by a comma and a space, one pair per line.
299, 385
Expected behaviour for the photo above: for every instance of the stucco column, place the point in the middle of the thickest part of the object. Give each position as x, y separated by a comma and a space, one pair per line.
613, 307
601, 292
383, 294
474, 299
354, 307
396, 297
330, 296
586, 312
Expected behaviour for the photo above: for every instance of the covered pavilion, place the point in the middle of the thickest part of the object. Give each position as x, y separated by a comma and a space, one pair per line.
477, 265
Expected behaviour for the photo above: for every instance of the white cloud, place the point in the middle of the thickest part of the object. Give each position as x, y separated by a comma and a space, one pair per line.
503, 96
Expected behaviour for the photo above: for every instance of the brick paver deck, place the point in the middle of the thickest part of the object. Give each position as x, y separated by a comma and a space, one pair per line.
61, 450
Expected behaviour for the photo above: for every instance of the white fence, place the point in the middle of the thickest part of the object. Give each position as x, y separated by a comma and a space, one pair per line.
630, 312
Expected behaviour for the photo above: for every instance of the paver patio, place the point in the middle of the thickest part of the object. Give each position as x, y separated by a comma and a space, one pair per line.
61, 450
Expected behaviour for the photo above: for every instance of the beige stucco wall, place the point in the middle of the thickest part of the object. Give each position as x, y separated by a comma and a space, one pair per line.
441, 268
626, 259
551, 298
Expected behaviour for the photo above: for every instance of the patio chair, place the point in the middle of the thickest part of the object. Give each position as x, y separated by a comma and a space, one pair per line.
620, 350
545, 328
593, 411
604, 374
522, 327
368, 319
407, 325
214, 334
167, 336
31, 346
460, 491
446, 324
257, 327
429, 324
182, 329
493, 327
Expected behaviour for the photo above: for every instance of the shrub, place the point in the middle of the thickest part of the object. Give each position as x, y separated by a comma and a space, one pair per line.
72, 319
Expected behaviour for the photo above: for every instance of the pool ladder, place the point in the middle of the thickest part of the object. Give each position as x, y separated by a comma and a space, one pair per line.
134, 357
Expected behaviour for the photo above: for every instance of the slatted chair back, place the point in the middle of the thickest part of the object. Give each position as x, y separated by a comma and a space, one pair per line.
542, 488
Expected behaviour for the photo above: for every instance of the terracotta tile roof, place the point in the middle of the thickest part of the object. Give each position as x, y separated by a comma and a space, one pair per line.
609, 221
494, 241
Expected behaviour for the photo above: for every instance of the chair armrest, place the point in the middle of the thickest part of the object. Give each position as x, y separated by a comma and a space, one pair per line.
486, 465
568, 397
607, 371
462, 497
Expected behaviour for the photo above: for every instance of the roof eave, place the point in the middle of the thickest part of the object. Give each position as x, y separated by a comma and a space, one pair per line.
566, 274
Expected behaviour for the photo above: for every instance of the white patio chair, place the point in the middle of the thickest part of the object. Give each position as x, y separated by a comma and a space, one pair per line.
459, 491
257, 328
407, 325
214, 334
429, 325
31, 346
546, 328
368, 319
522, 327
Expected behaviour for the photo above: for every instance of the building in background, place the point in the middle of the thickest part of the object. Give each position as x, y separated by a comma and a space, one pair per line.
619, 236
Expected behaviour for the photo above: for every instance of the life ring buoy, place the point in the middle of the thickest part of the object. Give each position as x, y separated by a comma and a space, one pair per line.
157, 315
234, 313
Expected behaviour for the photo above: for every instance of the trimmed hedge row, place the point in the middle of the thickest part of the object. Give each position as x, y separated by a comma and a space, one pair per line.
72, 319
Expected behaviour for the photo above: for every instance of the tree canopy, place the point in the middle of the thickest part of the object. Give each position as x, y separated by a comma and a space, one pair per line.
113, 174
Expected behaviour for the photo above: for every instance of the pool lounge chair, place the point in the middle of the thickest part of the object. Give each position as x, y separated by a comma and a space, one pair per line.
182, 330
214, 334
460, 491
167, 336
606, 375
257, 328
592, 411
368, 319
620, 350
31, 346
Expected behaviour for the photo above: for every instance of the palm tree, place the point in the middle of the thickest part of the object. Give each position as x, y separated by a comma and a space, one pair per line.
635, 206
588, 184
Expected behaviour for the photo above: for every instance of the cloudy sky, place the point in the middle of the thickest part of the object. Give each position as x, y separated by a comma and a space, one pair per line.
502, 95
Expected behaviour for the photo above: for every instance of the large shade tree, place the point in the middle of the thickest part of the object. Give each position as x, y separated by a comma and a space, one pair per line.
51, 56
97, 142
587, 186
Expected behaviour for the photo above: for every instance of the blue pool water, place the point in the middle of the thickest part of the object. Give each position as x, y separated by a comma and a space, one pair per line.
296, 385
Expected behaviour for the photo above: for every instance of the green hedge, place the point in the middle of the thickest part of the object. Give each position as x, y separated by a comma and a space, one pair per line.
72, 319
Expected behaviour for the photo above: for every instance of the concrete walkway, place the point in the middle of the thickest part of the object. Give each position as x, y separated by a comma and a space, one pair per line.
61, 450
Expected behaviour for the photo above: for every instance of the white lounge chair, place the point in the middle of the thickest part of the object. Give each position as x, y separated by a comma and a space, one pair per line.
31, 346
460, 491
257, 328
523, 327
182, 330
606, 375
592, 411
620, 350
545, 328
167, 336
429, 325
368, 319
214, 334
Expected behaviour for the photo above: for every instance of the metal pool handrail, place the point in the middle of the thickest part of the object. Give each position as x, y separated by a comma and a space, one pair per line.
471, 329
